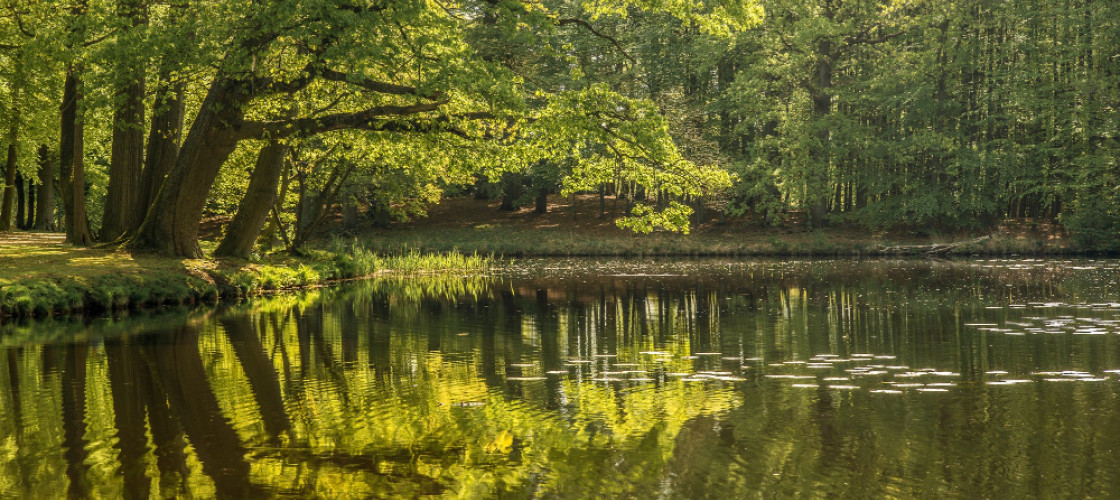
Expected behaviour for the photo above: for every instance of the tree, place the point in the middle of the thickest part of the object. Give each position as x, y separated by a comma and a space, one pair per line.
308, 49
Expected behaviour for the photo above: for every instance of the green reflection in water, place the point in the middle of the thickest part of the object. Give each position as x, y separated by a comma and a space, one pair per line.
589, 379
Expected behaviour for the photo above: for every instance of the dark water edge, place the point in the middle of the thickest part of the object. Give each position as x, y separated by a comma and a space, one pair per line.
589, 378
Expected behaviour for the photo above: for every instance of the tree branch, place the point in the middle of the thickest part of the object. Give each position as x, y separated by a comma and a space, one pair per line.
586, 25
374, 85
861, 38
373, 119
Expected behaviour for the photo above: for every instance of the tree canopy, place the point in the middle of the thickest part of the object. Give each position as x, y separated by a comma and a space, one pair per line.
902, 113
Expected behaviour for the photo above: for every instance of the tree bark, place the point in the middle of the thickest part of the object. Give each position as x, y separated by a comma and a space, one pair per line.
82, 235
10, 167
251, 214
126, 161
822, 106
71, 173
123, 212
44, 197
512, 189
171, 225
163, 142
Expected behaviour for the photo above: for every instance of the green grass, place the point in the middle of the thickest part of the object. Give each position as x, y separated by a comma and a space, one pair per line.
516, 240
38, 279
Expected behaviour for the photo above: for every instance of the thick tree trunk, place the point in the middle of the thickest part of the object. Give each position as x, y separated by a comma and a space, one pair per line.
70, 174
246, 225
163, 143
44, 197
171, 225
126, 161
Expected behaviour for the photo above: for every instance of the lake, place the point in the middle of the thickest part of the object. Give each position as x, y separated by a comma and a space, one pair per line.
589, 379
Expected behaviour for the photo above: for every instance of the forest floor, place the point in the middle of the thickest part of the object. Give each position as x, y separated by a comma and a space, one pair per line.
477, 226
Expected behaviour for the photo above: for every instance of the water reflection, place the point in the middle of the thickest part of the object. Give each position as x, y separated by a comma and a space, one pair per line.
577, 379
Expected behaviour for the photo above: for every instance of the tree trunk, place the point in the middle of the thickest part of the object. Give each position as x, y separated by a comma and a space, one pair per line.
818, 189
21, 201
13, 141
349, 212
259, 198
82, 235
71, 171
163, 142
44, 197
10, 168
512, 188
73, 193
29, 219
126, 161
171, 225
542, 202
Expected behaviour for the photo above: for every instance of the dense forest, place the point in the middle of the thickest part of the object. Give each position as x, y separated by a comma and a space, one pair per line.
128, 121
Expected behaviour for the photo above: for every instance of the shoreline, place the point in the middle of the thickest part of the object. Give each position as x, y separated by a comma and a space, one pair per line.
52, 279
40, 276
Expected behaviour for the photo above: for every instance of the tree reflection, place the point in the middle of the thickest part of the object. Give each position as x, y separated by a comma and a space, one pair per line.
73, 418
177, 365
566, 388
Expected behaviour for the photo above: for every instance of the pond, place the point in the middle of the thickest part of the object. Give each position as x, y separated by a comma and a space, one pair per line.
589, 379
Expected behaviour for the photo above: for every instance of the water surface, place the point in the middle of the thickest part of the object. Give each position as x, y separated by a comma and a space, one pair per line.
589, 379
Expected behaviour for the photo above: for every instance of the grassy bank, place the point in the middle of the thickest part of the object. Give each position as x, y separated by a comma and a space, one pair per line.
40, 276
580, 226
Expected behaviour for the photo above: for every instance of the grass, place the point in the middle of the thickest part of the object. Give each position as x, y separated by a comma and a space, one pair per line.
575, 227
41, 276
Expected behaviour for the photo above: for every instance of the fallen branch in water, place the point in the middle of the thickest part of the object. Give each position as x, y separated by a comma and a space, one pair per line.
932, 248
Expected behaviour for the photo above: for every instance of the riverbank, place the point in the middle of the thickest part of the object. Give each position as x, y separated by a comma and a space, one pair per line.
40, 275
583, 226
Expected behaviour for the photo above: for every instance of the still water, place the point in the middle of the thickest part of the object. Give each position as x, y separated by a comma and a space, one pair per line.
589, 379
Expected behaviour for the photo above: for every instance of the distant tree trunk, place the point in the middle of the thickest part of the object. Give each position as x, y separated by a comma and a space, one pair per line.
349, 212
512, 189
82, 234
44, 197
542, 202
602, 201
313, 211
10, 166
379, 213
21, 201
29, 219
251, 214
822, 106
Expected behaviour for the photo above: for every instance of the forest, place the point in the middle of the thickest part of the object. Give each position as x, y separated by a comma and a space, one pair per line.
130, 121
